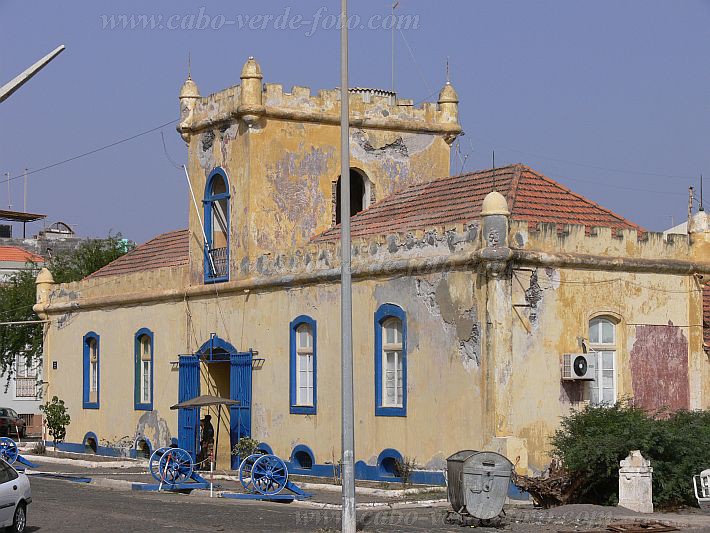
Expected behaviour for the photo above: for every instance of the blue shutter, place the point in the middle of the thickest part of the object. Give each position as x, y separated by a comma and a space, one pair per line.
188, 388
240, 390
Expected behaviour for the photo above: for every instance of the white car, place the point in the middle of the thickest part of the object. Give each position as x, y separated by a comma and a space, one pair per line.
15, 495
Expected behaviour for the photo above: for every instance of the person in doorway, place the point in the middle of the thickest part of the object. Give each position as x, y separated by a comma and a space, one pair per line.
206, 440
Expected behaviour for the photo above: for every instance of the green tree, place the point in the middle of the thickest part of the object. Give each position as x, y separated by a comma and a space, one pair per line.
17, 296
56, 418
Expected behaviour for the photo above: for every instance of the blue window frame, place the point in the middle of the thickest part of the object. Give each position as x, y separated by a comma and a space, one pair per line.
390, 361
303, 350
91, 364
143, 370
216, 206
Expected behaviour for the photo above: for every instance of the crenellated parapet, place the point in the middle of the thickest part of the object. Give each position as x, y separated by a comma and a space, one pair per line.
252, 101
609, 242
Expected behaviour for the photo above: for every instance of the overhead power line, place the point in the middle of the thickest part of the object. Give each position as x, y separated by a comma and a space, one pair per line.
91, 152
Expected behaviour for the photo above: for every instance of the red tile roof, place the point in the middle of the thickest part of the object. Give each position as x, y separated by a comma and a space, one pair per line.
531, 197
167, 250
18, 255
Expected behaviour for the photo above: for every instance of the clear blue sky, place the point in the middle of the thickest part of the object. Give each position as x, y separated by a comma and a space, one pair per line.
609, 97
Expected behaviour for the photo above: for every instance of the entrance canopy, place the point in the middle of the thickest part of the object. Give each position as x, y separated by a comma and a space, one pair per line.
205, 400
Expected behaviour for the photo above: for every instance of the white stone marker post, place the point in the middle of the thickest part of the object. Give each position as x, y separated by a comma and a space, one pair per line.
635, 487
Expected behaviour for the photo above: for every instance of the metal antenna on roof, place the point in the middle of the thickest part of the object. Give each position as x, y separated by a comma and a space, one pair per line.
701, 194
494, 169
189, 65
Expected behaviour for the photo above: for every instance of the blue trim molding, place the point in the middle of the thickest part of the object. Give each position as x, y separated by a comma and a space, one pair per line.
263, 447
90, 435
387, 462
137, 404
294, 408
207, 203
86, 397
297, 457
384, 312
206, 351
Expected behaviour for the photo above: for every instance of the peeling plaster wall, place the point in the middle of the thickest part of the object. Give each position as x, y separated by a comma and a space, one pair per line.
444, 385
551, 319
659, 368
116, 328
281, 177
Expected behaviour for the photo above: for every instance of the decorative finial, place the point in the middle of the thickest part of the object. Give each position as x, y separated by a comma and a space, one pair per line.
189, 65
448, 74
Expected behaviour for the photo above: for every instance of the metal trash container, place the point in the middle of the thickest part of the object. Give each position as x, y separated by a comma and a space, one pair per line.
454, 479
478, 483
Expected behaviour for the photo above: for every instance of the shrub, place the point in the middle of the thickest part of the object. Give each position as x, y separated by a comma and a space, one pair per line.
38, 449
56, 418
245, 447
591, 442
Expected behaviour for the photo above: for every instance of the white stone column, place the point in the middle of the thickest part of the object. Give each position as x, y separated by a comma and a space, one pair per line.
635, 483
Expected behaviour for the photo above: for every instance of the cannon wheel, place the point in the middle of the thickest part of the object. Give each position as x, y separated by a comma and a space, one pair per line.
245, 469
269, 475
8, 449
175, 466
153, 463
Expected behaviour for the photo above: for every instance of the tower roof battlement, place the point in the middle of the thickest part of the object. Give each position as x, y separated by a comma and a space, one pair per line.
370, 108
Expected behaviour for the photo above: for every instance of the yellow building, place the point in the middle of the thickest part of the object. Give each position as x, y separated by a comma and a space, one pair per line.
468, 292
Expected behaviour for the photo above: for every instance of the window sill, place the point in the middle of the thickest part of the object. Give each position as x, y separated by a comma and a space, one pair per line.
143, 407
302, 410
216, 280
391, 411
90, 405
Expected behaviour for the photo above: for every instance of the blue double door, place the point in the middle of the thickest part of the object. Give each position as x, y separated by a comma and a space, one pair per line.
240, 389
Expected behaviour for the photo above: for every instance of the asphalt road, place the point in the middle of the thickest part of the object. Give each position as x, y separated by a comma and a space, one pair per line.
64, 506
61, 506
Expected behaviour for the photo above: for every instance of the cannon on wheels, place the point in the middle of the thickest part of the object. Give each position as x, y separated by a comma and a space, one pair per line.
174, 470
264, 477
11, 454
263, 474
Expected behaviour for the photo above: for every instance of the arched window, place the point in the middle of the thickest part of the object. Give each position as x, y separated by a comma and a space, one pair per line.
602, 342
303, 383
359, 194
143, 384
390, 361
216, 205
91, 371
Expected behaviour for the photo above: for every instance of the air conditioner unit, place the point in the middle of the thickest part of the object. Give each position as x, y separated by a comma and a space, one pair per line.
579, 367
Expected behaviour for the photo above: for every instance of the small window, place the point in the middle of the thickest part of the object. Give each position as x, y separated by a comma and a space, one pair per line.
392, 358
143, 393
359, 199
390, 361
26, 377
216, 205
303, 366
92, 369
602, 343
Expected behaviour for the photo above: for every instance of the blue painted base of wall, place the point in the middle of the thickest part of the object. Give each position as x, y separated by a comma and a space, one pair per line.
75, 447
363, 471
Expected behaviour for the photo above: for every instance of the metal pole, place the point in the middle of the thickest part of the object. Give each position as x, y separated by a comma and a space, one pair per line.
346, 304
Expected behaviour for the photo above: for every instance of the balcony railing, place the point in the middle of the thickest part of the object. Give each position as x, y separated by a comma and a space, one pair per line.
220, 260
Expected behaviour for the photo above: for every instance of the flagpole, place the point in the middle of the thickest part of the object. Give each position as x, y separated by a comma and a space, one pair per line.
348, 418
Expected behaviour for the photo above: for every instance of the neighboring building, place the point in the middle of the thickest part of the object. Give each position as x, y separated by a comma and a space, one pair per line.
14, 259
468, 291
23, 393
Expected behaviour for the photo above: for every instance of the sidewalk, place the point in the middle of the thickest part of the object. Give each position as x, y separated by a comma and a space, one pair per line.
129, 474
